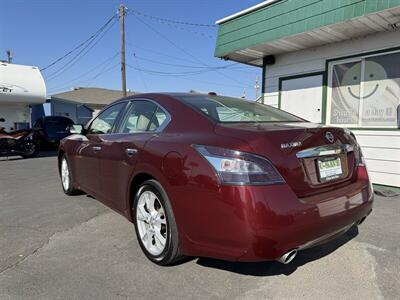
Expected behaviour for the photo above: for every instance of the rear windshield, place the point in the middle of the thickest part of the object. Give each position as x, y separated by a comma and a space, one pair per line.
233, 110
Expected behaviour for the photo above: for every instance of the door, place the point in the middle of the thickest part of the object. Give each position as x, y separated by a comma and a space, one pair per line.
121, 151
303, 97
88, 152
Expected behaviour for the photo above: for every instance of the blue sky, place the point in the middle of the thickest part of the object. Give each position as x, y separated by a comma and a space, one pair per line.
38, 32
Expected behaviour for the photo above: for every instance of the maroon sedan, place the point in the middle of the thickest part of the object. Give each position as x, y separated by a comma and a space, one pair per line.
204, 175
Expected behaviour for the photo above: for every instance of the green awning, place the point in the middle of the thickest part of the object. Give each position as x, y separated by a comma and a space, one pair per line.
278, 26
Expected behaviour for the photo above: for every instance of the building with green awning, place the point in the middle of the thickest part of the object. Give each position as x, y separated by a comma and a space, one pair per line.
330, 62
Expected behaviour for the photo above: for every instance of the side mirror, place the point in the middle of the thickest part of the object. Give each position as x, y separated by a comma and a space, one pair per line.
2, 120
75, 129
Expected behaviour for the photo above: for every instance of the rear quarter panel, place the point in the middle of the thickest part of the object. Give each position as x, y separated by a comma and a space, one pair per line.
190, 182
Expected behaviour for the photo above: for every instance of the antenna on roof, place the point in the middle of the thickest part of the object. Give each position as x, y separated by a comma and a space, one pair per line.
9, 56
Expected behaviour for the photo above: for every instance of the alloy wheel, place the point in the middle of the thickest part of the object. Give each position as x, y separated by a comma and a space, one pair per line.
65, 174
151, 223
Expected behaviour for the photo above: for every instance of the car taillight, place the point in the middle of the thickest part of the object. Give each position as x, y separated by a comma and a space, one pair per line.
240, 168
362, 169
360, 161
360, 157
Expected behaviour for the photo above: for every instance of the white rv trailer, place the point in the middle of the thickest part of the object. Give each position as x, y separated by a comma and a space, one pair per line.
20, 87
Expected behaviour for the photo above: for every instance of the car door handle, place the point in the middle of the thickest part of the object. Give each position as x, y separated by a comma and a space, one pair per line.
96, 148
130, 151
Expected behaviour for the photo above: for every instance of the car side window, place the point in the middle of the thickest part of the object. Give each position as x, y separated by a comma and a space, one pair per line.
159, 118
104, 122
143, 116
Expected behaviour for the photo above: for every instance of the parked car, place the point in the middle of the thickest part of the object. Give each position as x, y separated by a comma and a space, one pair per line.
50, 130
220, 177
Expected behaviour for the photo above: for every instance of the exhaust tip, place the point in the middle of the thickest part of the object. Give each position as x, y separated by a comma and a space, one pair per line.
288, 256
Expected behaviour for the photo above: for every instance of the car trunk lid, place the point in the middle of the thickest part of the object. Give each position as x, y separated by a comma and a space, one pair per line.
311, 158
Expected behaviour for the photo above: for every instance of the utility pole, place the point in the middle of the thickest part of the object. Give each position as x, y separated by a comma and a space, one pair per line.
122, 12
257, 87
9, 56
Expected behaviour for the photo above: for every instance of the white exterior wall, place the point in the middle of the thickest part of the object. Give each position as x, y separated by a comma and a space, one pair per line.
13, 113
314, 59
382, 154
381, 148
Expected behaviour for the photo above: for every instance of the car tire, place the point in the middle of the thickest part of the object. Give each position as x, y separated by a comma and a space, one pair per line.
35, 151
160, 224
66, 177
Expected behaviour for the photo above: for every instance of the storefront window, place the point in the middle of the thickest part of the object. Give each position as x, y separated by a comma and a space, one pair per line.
366, 92
381, 90
346, 79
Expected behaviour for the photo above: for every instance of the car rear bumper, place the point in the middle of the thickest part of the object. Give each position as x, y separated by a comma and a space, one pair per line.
258, 223
304, 225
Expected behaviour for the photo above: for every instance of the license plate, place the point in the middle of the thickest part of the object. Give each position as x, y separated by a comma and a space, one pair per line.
329, 169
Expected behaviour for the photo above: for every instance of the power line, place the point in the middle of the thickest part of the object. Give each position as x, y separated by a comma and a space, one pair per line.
78, 56
86, 46
174, 24
181, 75
79, 46
170, 20
103, 63
236, 67
158, 53
180, 65
188, 73
169, 41
191, 79
141, 70
140, 73
103, 71
90, 80
183, 50
188, 30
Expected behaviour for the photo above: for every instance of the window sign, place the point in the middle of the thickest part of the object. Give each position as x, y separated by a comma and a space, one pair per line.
381, 90
346, 80
365, 91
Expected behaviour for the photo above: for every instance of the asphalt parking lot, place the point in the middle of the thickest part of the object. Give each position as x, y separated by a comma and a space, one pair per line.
58, 247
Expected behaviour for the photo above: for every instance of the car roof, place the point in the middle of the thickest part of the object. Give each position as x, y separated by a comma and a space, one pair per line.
176, 95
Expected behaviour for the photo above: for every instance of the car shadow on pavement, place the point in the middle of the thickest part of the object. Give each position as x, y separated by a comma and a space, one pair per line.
47, 153
273, 268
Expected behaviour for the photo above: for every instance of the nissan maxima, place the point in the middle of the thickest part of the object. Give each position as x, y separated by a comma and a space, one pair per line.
220, 177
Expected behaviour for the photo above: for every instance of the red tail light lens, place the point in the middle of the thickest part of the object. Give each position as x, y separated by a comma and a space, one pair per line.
360, 160
239, 168
362, 169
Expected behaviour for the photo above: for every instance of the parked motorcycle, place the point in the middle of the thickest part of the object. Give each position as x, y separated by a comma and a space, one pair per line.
21, 142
